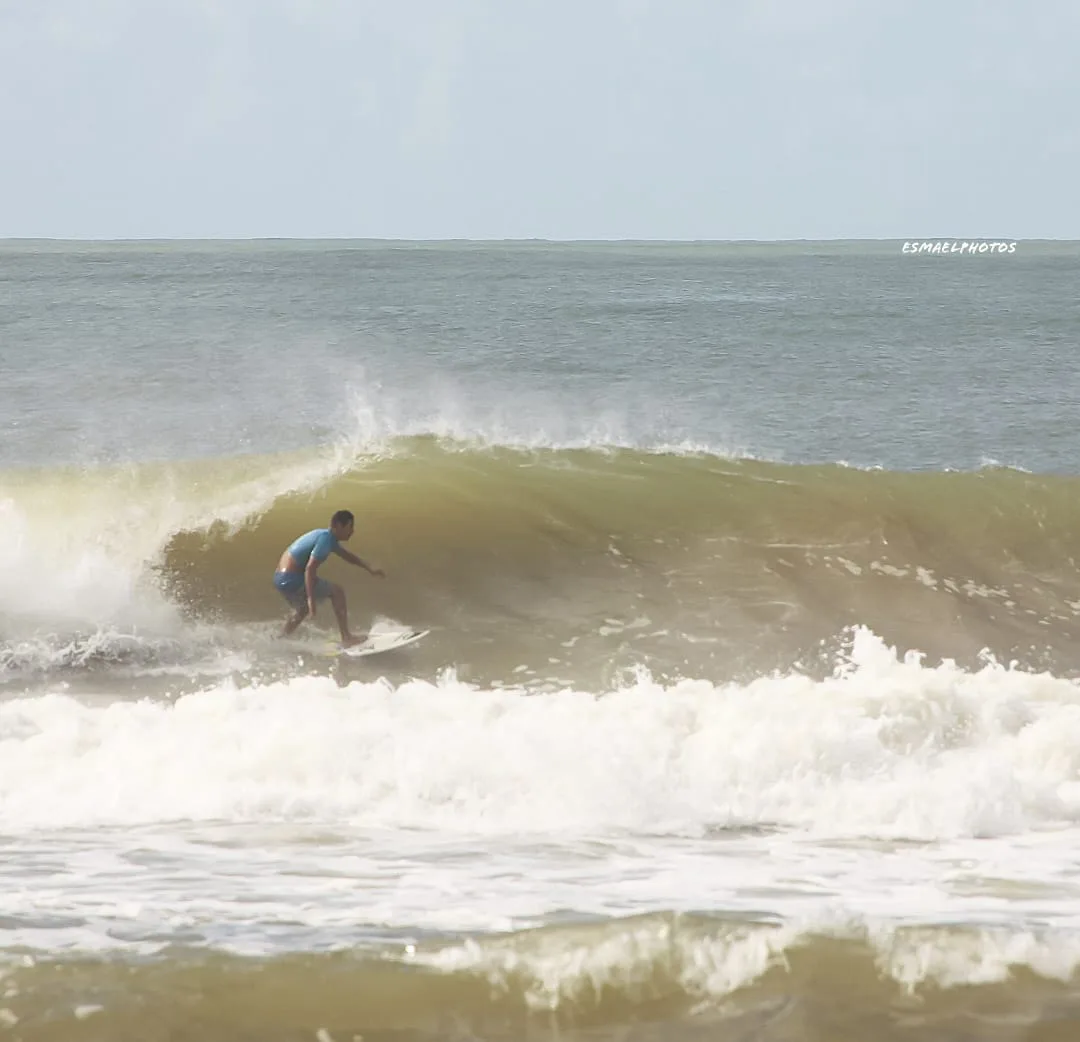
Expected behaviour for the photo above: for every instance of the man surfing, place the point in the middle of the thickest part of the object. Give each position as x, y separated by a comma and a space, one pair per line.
298, 581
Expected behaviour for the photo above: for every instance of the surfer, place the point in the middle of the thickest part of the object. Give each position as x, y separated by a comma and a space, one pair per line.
297, 579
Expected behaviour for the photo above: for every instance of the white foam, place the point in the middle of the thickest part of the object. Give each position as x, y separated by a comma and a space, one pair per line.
78, 543
887, 747
260, 811
557, 970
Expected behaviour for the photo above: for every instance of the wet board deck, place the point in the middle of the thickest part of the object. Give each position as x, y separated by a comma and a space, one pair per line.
380, 642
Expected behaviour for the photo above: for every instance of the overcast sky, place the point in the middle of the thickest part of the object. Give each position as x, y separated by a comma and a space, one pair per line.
562, 119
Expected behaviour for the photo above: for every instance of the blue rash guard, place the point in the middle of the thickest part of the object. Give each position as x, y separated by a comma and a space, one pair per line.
318, 543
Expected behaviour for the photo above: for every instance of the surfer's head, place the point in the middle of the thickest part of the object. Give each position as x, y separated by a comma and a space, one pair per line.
341, 524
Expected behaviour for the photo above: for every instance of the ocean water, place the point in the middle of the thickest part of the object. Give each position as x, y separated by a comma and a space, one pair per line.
751, 702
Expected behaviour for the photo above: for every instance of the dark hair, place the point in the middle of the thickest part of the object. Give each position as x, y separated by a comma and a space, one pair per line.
342, 517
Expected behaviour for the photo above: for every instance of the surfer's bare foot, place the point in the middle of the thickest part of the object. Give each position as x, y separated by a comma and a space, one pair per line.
351, 641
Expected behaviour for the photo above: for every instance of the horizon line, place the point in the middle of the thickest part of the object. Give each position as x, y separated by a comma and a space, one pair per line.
524, 239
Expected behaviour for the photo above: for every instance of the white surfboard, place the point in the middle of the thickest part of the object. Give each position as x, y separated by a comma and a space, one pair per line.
380, 642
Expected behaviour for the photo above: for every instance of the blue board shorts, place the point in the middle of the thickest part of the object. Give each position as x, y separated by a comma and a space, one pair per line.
291, 586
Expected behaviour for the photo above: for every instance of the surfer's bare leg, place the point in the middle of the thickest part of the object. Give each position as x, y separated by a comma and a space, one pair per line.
293, 621
337, 599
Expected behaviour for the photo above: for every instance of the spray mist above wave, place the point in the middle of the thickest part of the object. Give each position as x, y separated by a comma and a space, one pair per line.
375, 419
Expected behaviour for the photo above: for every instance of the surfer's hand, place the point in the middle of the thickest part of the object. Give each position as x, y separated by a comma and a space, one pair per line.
378, 571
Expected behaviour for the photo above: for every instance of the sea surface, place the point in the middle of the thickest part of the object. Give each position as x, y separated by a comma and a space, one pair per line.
751, 703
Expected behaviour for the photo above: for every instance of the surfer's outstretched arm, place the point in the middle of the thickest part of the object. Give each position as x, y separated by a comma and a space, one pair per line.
359, 562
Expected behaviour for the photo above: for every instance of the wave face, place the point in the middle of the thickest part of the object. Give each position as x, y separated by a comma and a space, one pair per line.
564, 563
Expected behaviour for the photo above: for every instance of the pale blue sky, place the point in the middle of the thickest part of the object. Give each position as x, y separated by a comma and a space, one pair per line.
678, 119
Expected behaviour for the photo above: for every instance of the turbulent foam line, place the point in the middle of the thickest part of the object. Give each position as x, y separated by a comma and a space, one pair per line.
886, 747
